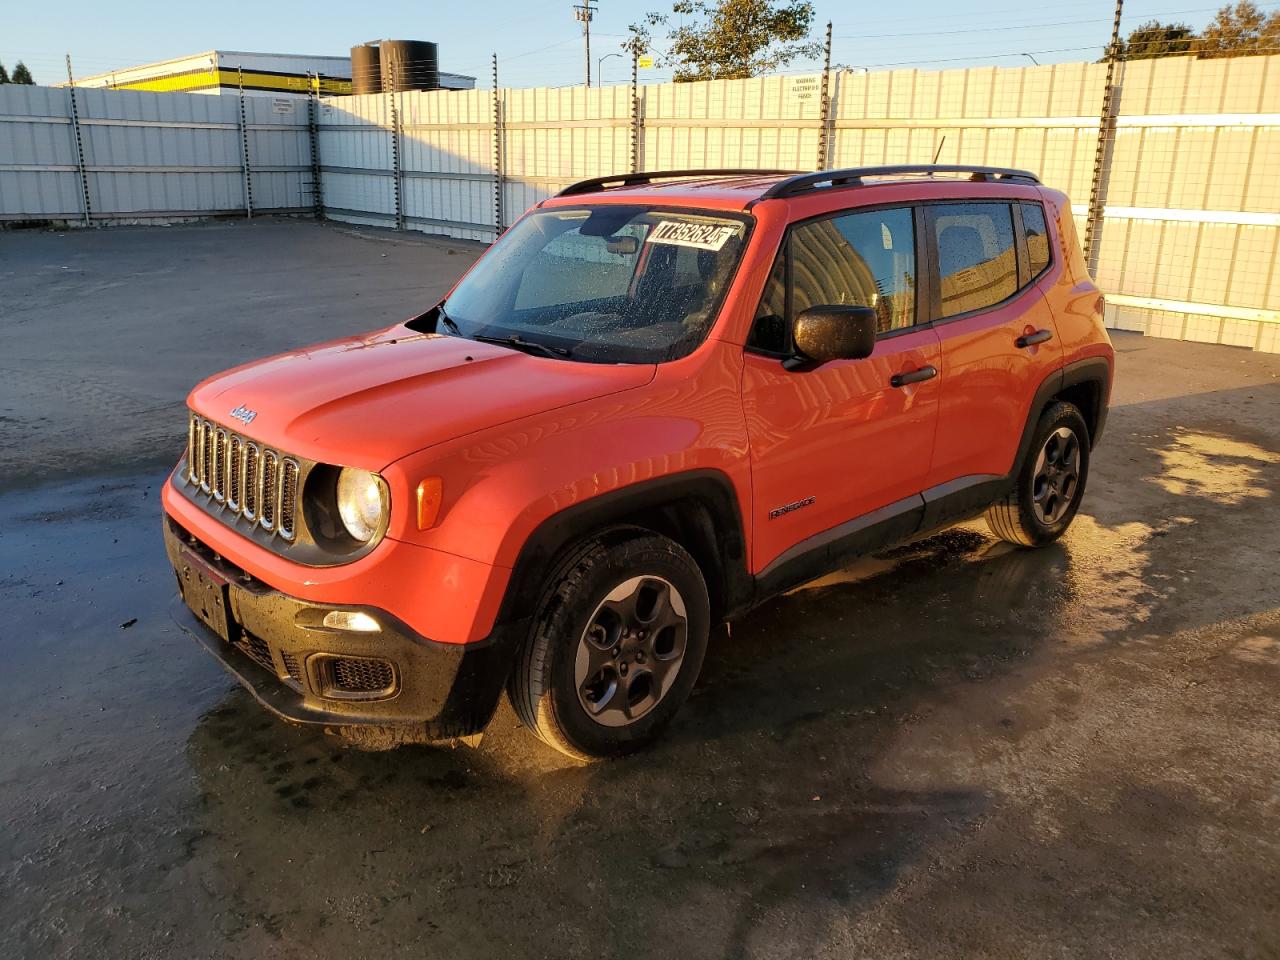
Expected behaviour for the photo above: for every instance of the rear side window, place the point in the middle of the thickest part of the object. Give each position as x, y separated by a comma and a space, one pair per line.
977, 262
1037, 238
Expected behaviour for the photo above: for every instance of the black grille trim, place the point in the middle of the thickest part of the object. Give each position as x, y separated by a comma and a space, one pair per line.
256, 483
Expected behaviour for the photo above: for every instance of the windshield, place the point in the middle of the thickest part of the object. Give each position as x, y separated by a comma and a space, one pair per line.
606, 284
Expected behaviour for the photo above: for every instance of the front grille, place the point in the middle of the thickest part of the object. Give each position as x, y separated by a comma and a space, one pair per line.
220, 465
235, 467
256, 649
268, 486
361, 676
288, 497
206, 457
250, 509
292, 667
253, 482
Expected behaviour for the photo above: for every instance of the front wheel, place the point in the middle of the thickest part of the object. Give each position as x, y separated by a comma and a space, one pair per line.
616, 646
1050, 485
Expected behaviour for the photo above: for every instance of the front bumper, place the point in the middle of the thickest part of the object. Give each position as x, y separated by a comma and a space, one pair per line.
384, 687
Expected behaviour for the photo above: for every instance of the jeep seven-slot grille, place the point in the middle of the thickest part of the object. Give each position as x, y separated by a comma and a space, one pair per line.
237, 474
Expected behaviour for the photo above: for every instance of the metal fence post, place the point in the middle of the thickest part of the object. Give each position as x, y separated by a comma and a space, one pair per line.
313, 129
395, 155
637, 121
1102, 156
824, 134
499, 214
75, 129
244, 150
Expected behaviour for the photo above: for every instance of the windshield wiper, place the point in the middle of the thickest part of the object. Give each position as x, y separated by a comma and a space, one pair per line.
448, 321
516, 342
528, 346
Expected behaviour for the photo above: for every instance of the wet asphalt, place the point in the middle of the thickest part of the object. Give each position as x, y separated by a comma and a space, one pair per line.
954, 749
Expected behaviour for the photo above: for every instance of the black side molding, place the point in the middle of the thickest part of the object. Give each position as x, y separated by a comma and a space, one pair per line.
831, 549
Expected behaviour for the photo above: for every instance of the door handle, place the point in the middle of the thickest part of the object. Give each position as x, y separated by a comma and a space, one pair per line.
1031, 339
915, 376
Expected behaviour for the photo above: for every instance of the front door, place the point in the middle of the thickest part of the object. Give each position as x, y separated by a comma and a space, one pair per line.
848, 443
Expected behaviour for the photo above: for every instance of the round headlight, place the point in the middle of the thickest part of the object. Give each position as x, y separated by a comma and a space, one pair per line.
360, 503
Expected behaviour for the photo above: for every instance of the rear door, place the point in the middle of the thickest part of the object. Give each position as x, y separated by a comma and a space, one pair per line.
832, 445
999, 342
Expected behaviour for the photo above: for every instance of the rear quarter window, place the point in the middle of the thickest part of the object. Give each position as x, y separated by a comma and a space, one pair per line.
1033, 224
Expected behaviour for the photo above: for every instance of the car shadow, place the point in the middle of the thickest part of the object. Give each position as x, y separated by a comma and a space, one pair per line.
783, 795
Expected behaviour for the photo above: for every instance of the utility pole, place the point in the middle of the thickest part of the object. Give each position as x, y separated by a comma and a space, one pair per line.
583, 12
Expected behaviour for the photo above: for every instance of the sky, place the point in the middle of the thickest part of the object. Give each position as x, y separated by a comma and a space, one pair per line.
540, 44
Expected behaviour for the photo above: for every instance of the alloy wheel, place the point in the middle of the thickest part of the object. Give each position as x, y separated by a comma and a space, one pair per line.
1056, 479
631, 651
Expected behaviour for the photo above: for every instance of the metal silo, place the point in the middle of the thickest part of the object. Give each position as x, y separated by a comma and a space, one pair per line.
408, 65
366, 70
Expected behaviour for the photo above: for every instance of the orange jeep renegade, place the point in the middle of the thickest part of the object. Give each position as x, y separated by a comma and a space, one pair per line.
656, 401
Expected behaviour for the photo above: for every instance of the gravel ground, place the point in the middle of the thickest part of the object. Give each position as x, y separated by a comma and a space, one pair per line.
955, 749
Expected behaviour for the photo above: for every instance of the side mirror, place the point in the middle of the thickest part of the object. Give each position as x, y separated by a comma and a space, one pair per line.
835, 333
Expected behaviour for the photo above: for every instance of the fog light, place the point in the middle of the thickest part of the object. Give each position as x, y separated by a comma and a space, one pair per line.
351, 620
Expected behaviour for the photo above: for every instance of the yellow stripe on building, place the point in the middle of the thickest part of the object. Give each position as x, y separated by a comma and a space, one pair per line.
204, 79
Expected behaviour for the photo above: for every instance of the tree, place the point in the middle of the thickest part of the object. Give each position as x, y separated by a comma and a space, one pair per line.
4, 74
21, 74
729, 39
1240, 31
1156, 39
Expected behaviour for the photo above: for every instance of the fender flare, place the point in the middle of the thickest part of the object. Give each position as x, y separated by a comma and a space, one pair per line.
709, 491
1092, 370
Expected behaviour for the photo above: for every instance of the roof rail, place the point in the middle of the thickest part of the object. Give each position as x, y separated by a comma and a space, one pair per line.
633, 179
852, 177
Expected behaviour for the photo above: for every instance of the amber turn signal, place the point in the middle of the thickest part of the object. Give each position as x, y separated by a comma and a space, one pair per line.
430, 496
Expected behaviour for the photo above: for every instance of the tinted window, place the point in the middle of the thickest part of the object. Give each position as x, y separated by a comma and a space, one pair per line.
860, 259
769, 332
1037, 237
976, 259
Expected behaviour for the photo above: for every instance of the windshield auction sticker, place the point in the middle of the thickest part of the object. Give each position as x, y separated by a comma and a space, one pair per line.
703, 236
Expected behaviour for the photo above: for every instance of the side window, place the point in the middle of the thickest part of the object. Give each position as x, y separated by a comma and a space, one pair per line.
769, 332
976, 260
1037, 238
859, 259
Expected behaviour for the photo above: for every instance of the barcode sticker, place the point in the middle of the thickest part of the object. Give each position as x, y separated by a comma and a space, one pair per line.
703, 236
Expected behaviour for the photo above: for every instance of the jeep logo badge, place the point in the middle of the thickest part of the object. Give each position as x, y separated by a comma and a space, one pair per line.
244, 414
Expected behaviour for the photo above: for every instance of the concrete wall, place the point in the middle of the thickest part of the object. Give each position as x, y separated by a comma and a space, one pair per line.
1190, 183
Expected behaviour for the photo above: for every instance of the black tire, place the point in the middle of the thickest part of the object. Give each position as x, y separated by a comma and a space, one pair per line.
576, 611
1021, 517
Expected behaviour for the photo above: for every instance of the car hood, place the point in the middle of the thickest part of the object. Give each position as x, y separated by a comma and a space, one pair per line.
368, 401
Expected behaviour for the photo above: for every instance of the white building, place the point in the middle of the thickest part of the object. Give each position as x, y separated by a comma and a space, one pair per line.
262, 74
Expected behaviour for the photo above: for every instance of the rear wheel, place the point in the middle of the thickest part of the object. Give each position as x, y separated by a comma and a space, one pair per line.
616, 646
1048, 489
